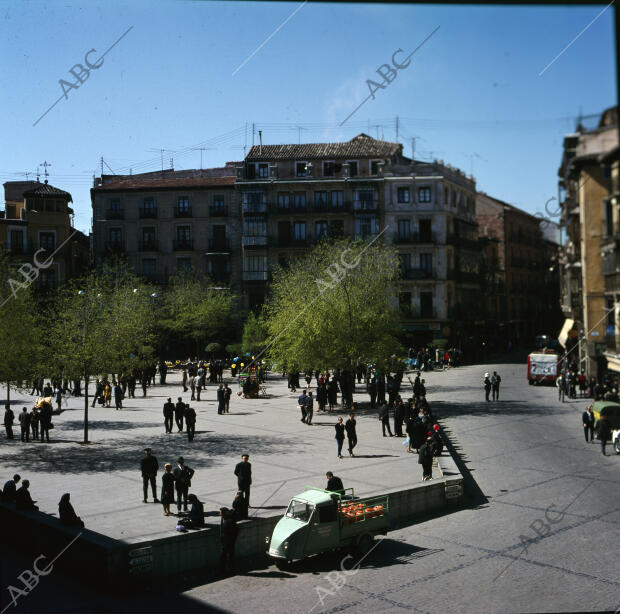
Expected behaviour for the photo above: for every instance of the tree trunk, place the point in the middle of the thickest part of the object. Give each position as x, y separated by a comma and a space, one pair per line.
8, 395
86, 409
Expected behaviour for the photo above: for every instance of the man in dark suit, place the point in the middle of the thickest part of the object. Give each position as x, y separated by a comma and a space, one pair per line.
10, 488
168, 415
149, 467
190, 422
588, 423
603, 430
240, 506
334, 483
45, 420
183, 480
23, 500
227, 395
221, 401
384, 416
179, 413
24, 422
228, 536
243, 471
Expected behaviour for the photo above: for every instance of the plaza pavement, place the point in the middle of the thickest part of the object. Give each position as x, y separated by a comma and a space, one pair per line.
104, 477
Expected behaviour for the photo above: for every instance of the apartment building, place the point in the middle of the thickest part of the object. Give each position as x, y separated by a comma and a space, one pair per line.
588, 257
37, 216
169, 222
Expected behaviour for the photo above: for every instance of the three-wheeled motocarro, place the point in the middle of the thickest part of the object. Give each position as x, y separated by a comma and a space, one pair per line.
611, 411
320, 520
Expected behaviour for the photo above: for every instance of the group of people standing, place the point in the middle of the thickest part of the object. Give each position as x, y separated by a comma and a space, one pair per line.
180, 412
37, 421
491, 386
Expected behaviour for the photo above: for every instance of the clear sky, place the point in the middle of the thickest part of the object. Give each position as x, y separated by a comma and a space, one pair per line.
472, 93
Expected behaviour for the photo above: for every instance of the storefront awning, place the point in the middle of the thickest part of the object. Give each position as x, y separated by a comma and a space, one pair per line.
563, 336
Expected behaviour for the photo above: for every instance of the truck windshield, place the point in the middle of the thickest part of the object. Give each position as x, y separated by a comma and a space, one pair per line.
299, 510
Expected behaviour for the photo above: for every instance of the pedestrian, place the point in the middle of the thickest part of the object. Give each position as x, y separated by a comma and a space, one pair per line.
308, 378
309, 408
45, 421
163, 371
184, 379
227, 395
332, 394
301, 403
118, 395
144, 381
399, 416
334, 483
588, 423
559, 382
371, 386
34, 423
384, 416
98, 392
24, 423
183, 480
179, 413
10, 488
487, 387
168, 415
67, 514
167, 488
107, 394
190, 422
496, 380
198, 386
9, 419
410, 430
243, 471
349, 427
425, 458
339, 436
58, 396
603, 432
228, 536
220, 400
321, 396
23, 500
149, 467
240, 506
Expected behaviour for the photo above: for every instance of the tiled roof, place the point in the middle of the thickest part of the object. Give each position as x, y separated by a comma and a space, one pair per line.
45, 189
166, 183
361, 146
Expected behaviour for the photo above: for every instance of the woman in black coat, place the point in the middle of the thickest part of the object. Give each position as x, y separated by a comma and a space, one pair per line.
167, 488
67, 514
332, 394
339, 436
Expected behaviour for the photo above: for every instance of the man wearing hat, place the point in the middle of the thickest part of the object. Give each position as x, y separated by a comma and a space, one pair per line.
149, 467
183, 480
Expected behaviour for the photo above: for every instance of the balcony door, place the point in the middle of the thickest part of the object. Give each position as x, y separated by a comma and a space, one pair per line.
426, 304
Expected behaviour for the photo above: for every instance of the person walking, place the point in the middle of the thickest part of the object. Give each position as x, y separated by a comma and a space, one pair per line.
496, 380
220, 400
425, 458
301, 403
9, 419
167, 488
98, 392
183, 480
384, 416
144, 381
243, 471
24, 423
321, 396
184, 379
107, 394
372, 392
118, 395
34, 423
339, 436
58, 398
399, 416
179, 413
487, 387
168, 415
198, 386
149, 467
227, 395
45, 421
350, 428
588, 423
559, 382
332, 394
190, 422
309, 408
228, 537
603, 431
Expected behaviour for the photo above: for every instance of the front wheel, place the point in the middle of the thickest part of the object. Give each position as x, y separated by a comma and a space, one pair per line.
617, 445
283, 564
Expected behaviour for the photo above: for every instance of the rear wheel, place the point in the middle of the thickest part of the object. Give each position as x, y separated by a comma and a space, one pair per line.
364, 543
617, 445
283, 564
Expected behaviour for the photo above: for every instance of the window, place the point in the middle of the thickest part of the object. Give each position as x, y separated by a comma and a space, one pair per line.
403, 195
184, 265
299, 510
255, 268
328, 169
148, 234
263, 170
405, 262
609, 219
149, 267
320, 199
183, 233
299, 229
374, 167
337, 198
149, 204
320, 229
327, 513
284, 201
426, 262
253, 202
404, 229
365, 199
300, 169
426, 304
300, 200
353, 172
115, 205
366, 226
424, 194
115, 235
254, 227
16, 238
219, 204
183, 204
47, 278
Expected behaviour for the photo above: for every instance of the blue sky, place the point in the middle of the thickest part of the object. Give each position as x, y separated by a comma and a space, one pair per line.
472, 93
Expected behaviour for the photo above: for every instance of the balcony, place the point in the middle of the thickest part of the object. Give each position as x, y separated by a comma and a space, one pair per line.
293, 242
365, 205
218, 210
326, 207
416, 313
115, 214
115, 247
255, 275
219, 245
414, 238
147, 213
417, 273
148, 245
183, 211
255, 241
255, 208
182, 245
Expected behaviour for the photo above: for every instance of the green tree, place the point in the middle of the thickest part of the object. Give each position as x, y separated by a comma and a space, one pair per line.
332, 307
192, 309
254, 336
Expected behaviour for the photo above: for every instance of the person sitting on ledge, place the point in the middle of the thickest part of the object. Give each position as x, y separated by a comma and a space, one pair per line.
67, 514
23, 500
